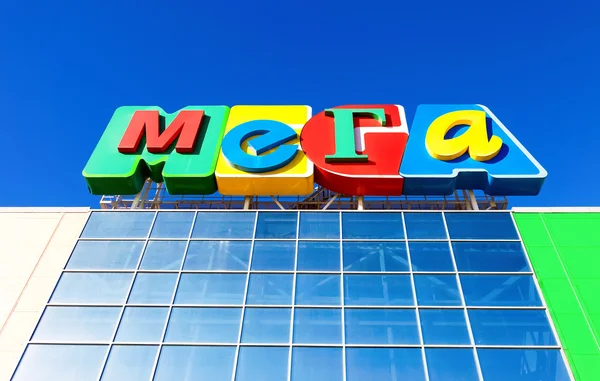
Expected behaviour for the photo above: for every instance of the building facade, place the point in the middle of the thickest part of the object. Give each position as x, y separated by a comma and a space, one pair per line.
299, 295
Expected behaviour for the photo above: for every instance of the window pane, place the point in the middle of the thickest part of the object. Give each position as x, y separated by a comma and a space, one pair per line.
316, 364
318, 289
425, 226
224, 225
522, 365
274, 255
142, 324
378, 290
500, 290
384, 364
318, 256
375, 256
444, 327
204, 325
430, 256
511, 327
276, 225
437, 290
481, 225
381, 326
321, 225
262, 363
270, 289
153, 288
211, 289
118, 225
372, 225
490, 256
172, 225
451, 364
266, 325
129, 362
163, 255
218, 255
105, 255
317, 326
192, 363
77, 324
60, 362
92, 288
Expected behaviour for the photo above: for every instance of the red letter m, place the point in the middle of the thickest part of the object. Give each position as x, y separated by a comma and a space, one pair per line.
184, 128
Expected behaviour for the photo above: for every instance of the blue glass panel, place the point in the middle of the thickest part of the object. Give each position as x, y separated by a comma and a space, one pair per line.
317, 364
129, 362
444, 327
118, 225
224, 225
172, 225
105, 255
153, 288
92, 288
425, 226
142, 324
163, 255
317, 326
43, 362
276, 225
381, 326
451, 364
318, 256
384, 364
192, 363
270, 289
500, 290
318, 289
266, 325
430, 256
522, 365
490, 256
378, 290
375, 256
372, 225
320, 225
511, 327
262, 363
211, 289
274, 255
437, 290
217, 255
203, 325
77, 324
481, 225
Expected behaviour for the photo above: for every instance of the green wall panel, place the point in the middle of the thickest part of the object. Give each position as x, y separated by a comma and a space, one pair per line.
564, 249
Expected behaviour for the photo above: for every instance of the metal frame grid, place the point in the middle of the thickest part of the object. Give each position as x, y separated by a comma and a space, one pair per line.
293, 306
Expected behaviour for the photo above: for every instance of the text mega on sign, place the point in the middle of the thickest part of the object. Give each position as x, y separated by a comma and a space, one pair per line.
285, 150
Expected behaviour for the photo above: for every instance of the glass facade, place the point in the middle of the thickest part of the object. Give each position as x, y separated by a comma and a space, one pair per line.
272, 296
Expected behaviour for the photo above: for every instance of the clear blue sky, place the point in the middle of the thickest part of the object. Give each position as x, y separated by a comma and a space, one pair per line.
65, 67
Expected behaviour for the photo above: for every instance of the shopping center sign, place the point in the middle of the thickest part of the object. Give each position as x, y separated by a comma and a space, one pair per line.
284, 150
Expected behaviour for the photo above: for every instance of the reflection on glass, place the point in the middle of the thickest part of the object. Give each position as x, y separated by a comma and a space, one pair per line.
153, 288
425, 226
511, 327
430, 256
172, 225
217, 255
500, 290
163, 255
224, 225
372, 225
317, 326
92, 288
384, 364
522, 365
318, 289
451, 364
273, 255
262, 363
105, 255
437, 290
473, 225
444, 326
270, 289
118, 225
203, 325
378, 290
211, 289
193, 363
76, 324
319, 225
381, 326
490, 256
316, 364
142, 324
278, 225
375, 256
129, 362
266, 325
318, 256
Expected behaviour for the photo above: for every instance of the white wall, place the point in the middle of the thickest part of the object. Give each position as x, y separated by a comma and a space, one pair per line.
35, 244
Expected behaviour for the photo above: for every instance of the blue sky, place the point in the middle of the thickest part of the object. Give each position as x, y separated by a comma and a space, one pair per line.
65, 67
